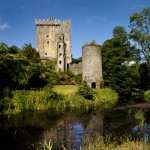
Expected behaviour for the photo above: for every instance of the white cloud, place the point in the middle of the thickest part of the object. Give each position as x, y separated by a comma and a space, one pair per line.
3, 26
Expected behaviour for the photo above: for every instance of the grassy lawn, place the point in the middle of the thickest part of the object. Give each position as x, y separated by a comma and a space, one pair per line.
65, 89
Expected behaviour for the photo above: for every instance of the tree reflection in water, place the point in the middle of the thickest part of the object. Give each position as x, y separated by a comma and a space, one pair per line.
68, 129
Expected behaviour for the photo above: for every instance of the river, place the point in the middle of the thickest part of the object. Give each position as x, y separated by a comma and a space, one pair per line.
28, 130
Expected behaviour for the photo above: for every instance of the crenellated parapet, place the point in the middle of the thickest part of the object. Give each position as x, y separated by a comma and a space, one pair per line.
51, 21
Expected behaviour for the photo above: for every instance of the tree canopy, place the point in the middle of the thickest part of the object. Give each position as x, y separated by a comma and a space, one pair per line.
140, 31
117, 55
21, 69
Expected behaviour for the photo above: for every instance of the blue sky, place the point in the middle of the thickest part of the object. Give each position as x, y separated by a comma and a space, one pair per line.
90, 19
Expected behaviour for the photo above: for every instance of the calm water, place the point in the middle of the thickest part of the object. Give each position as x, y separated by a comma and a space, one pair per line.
27, 131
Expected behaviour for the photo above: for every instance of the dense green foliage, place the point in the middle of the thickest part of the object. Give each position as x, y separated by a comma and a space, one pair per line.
68, 78
140, 34
21, 69
76, 60
144, 71
118, 74
121, 68
140, 31
85, 91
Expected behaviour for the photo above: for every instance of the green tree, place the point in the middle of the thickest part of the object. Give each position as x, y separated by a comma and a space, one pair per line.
30, 53
120, 31
117, 54
140, 31
144, 76
13, 69
14, 49
41, 75
76, 60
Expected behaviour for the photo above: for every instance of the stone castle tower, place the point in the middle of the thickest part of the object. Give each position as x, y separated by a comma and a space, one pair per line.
92, 64
53, 41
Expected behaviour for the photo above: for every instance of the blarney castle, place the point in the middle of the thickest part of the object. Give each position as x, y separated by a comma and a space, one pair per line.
53, 42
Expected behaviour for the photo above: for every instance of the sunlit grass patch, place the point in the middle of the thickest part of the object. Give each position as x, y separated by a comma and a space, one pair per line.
65, 89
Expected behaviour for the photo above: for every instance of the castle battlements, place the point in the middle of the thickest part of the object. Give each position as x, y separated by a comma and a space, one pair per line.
50, 21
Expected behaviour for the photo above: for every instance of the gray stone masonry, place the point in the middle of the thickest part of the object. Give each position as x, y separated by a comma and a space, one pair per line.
50, 36
92, 65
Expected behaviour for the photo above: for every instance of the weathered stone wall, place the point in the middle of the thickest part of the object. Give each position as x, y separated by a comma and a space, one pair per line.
48, 36
76, 68
92, 64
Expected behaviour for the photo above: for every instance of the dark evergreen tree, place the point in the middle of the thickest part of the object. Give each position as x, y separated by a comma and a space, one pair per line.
117, 55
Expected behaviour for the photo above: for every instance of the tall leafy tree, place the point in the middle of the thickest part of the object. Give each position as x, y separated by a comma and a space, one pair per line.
13, 69
30, 53
140, 31
120, 31
117, 55
41, 75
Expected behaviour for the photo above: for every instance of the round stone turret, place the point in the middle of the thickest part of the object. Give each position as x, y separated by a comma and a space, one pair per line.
92, 64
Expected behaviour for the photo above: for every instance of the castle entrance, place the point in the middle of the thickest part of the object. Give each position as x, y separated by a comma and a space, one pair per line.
93, 85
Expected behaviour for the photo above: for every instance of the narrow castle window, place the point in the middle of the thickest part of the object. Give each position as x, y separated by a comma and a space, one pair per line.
45, 53
59, 69
59, 46
47, 36
47, 42
60, 62
60, 54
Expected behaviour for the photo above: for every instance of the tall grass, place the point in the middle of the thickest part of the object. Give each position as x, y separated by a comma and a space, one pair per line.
101, 143
125, 144
58, 98
105, 98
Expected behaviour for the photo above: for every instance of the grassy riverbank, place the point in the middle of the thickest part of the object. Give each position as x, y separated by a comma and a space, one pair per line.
59, 97
125, 144
100, 143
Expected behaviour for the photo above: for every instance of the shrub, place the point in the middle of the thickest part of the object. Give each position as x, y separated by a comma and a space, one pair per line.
85, 91
147, 96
